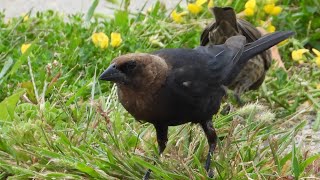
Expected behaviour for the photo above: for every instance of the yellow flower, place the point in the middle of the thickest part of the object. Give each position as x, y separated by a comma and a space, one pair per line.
318, 56
24, 48
316, 52
276, 10
200, 2
100, 40
318, 86
177, 17
268, 8
271, 28
250, 7
249, 12
194, 8
272, 9
297, 54
210, 4
115, 39
25, 17
250, 4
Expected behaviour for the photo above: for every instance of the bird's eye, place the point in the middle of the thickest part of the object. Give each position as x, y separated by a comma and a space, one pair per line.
128, 66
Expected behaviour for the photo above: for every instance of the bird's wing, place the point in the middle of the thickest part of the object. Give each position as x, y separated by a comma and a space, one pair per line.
225, 57
248, 30
196, 72
204, 38
254, 48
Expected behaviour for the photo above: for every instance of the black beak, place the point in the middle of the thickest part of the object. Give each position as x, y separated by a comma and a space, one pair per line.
113, 74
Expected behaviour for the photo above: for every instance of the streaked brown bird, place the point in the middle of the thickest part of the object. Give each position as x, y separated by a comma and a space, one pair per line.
171, 87
227, 25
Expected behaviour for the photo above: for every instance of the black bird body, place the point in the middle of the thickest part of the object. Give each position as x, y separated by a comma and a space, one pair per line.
174, 86
226, 25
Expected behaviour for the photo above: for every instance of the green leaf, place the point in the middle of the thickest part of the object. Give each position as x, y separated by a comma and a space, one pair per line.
112, 1
309, 161
285, 159
29, 90
154, 168
198, 164
281, 77
79, 93
91, 10
8, 105
295, 163
121, 19
87, 169
50, 154
6, 67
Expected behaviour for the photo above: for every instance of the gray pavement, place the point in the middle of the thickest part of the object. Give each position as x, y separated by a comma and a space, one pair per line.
14, 8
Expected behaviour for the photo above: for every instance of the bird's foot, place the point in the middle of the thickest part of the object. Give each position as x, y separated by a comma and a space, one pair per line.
208, 162
147, 175
207, 165
208, 169
210, 173
226, 109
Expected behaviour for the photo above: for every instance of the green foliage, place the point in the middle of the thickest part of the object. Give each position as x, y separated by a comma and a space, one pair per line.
58, 122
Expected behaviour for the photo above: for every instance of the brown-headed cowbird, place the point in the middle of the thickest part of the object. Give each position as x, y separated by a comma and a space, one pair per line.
170, 87
226, 25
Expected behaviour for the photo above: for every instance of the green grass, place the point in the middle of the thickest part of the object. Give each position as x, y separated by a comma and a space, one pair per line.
58, 121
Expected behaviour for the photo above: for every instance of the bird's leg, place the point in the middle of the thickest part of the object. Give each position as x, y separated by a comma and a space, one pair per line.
238, 91
212, 141
162, 138
225, 109
238, 99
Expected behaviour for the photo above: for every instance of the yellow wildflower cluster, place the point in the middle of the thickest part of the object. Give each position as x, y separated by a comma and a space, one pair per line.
269, 8
101, 40
297, 55
193, 8
272, 9
196, 7
250, 7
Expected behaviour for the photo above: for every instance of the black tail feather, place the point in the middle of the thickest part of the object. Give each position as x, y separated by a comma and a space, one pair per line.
263, 44
254, 48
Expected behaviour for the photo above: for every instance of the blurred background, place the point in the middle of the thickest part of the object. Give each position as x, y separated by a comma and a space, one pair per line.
14, 8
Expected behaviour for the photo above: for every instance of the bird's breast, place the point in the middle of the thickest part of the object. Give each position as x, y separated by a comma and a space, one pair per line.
141, 105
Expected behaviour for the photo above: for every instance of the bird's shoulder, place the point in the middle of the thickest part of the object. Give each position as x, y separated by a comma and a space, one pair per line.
188, 75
